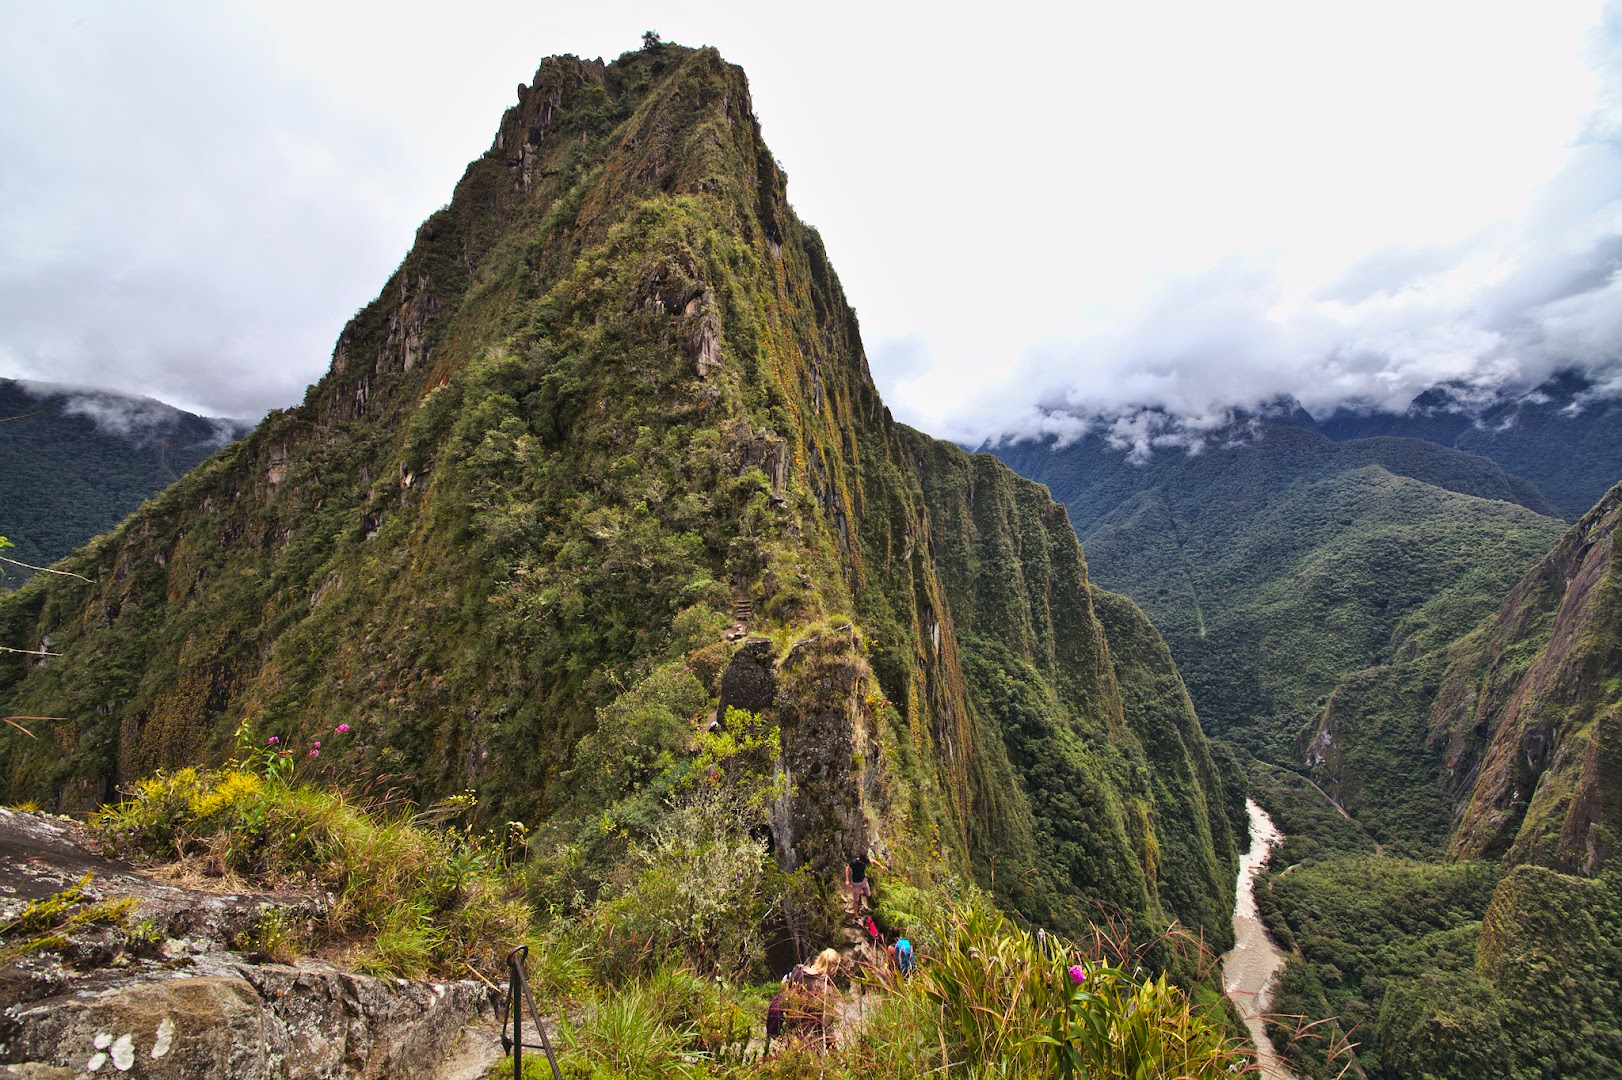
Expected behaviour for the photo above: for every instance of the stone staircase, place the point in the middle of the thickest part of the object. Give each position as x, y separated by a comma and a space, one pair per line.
743, 613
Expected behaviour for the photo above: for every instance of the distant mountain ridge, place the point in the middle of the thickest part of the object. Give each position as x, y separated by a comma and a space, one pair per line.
1565, 435
74, 461
1277, 561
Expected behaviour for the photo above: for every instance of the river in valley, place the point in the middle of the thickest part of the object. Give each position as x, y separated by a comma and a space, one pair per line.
1248, 970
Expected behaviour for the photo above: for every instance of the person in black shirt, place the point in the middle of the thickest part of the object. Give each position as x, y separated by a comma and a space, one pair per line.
856, 881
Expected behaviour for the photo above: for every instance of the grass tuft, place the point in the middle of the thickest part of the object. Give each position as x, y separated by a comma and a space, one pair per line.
407, 900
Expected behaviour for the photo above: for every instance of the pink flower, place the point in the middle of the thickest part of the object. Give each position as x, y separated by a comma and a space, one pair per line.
273, 740
1078, 974
316, 745
315, 753
341, 729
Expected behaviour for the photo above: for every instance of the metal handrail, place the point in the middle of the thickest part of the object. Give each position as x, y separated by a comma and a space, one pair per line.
518, 985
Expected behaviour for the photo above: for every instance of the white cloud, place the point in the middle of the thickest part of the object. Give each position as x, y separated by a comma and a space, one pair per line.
1503, 307
182, 216
1178, 205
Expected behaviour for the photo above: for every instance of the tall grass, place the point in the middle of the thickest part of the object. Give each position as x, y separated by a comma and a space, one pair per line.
1009, 1005
407, 899
987, 999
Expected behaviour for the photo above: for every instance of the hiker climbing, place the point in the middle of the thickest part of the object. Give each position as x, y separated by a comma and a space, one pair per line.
856, 881
901, 954
801, 1007
869, 945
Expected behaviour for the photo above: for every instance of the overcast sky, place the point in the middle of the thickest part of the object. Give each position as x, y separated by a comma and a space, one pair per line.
1041, 215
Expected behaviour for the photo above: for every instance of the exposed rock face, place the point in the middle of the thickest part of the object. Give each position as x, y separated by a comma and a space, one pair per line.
42, 855
229, 1018
749, 681
829, 751
194, 1008
1529, 715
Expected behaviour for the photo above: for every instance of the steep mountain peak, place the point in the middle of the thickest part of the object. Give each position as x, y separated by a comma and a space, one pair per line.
604, 450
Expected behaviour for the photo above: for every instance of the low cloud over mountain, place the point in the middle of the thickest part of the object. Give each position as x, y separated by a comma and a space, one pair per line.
1499, 312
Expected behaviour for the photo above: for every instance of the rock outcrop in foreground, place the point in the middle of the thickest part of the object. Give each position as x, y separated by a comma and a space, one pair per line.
170, 997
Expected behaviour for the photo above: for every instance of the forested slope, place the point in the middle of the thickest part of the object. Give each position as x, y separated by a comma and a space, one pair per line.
1277, 562
75, 462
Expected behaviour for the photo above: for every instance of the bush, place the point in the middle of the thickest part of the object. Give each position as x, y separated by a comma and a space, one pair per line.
701, 890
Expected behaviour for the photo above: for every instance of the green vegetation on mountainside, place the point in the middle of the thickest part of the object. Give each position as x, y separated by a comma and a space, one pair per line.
1314, 827
611, 402
1278, 566
1444, 974
1529, 713
69, 477
1505, 740
1372, 755
1359, 922
1447, 970
1106, 753
1562, 435
407, 899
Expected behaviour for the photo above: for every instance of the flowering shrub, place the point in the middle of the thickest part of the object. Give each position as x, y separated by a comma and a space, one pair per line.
272, 760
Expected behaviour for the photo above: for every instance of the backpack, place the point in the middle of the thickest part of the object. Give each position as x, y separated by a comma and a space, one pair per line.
776, 1011
903, 956
774, 1015
796, 994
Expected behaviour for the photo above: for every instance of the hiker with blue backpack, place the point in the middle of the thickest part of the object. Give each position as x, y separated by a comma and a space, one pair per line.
901, 956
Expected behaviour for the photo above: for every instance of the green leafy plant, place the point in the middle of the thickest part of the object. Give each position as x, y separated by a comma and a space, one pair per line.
701, 888
1013, 1005
276, 936
736, 764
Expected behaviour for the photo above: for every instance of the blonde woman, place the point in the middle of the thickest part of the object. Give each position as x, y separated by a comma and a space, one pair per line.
824, 968
801, 1008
